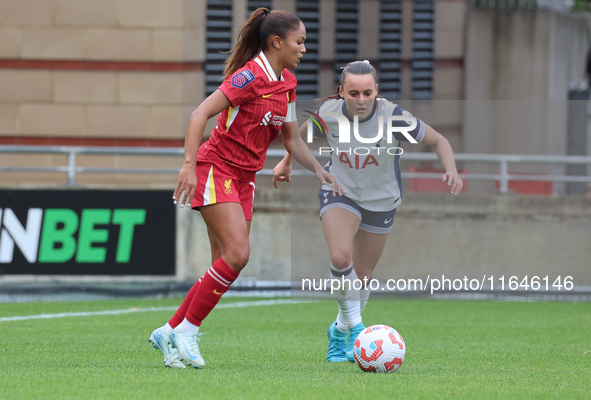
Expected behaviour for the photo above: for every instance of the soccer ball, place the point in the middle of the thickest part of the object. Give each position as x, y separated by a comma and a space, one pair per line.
379, 348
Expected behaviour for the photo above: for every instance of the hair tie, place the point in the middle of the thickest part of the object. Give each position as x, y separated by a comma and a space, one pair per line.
267, 11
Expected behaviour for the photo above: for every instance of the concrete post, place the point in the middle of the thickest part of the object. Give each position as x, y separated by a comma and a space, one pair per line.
577, 136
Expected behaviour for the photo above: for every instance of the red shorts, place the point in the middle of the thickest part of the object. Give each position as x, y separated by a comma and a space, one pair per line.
215, 185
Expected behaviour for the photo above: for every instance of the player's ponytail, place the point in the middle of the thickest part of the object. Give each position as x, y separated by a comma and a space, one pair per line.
355, 68
254, 33
334, 95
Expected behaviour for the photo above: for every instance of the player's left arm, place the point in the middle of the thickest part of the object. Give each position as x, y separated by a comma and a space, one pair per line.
282, 171
446, 156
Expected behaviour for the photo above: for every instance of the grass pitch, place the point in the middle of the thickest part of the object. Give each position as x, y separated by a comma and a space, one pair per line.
474, 350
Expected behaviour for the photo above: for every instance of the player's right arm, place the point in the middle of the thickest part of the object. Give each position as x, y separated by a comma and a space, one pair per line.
187, 182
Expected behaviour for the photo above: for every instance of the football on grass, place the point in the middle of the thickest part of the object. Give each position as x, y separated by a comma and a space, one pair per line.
379, 348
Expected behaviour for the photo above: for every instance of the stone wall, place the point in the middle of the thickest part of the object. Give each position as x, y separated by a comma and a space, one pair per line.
78, 67
519, 68
100, 72
434, 234
130, 72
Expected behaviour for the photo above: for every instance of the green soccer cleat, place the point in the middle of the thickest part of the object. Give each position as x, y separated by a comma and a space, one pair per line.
337, 344
161, 341
353, 333
188, 346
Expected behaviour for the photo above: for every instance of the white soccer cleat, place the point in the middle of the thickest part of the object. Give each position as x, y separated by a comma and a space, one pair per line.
188, 346
161, 341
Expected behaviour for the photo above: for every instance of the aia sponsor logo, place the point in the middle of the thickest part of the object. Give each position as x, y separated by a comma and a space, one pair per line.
355, 162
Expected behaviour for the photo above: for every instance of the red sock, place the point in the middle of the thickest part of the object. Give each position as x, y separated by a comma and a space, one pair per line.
180, 313
214, 283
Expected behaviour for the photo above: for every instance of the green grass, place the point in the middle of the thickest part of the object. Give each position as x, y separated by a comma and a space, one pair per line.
465, 349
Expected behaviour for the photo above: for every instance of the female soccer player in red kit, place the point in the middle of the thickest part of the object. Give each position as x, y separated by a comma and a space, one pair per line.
256, 100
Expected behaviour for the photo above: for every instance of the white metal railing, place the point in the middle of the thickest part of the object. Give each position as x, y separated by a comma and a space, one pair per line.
502, 159
557, 5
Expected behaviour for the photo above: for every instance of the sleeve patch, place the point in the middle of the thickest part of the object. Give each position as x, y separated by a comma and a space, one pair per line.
241, 79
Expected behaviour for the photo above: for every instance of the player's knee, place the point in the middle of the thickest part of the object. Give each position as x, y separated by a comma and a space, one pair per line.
340, 259
237, 257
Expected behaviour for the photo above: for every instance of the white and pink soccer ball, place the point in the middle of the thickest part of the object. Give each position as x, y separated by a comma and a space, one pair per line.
379, 348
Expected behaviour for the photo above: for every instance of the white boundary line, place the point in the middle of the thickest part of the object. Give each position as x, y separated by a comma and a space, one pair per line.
136, 310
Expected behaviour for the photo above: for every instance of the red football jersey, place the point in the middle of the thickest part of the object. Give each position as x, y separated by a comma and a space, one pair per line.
245, 130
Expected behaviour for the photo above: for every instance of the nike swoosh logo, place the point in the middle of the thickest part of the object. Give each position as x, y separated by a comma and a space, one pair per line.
216, 292
192, 357
267, 95
388, 221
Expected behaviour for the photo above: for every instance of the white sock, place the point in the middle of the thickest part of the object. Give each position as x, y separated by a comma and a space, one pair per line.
347, 297
187, 327
364, 296
341, 323
167, 328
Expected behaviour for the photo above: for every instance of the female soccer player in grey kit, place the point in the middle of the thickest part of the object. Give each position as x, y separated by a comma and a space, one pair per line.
356, 225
